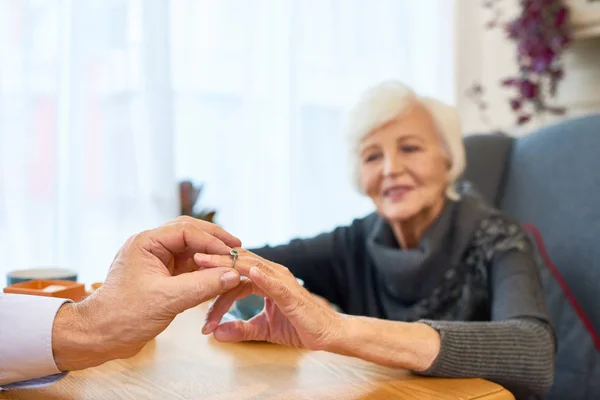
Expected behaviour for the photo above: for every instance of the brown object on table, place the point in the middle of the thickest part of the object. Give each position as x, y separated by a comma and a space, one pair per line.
50, 288
95, 286
184, 364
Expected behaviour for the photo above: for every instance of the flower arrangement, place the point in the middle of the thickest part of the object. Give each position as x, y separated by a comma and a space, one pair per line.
188, 196
541, 34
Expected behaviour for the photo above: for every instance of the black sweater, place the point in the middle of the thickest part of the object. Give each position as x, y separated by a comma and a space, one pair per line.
473, 278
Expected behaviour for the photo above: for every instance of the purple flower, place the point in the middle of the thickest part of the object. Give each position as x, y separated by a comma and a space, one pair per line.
545, 59
557, 73
523, 119
559, 42
513, 28
529, 90
533, 9
515, 104
561, 17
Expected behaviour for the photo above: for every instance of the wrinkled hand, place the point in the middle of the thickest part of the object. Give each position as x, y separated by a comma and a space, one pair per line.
151, 280
291, 316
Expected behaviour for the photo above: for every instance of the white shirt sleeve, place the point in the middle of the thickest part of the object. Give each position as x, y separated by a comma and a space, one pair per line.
26, 340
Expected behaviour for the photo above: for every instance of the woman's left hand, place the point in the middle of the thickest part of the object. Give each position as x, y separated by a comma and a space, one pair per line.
292, 316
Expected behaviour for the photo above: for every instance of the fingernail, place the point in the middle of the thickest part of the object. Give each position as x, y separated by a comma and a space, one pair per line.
229, 280
208, 328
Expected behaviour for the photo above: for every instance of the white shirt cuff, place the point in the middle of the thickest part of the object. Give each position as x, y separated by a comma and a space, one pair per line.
26, 337
35, 383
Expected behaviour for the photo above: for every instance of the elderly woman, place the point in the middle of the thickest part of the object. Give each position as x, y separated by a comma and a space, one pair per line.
436, 281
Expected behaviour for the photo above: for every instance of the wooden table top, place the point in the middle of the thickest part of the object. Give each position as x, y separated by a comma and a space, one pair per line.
182, 363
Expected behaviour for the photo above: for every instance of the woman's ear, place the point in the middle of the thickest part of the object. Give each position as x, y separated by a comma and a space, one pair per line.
447, 161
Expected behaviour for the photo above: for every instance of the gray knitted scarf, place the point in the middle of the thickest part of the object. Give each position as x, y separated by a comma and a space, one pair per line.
446, 277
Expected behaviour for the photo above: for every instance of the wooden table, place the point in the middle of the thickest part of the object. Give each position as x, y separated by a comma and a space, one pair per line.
184, 364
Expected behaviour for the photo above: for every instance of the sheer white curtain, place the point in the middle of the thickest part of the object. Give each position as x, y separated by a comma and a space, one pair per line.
104, 104
85, 130
261, 88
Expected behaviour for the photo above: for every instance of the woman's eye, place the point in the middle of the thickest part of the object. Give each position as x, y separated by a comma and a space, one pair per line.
410, 149
372, 157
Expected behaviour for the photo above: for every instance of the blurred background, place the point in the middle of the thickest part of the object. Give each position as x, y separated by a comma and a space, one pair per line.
107, 106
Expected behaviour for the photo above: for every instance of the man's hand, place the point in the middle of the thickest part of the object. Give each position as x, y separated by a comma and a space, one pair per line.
151, 280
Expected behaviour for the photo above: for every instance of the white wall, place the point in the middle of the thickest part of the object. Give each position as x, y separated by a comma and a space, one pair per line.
580, 90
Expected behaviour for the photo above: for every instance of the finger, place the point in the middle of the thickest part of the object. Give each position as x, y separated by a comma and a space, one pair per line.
214, 260
183, 262
223, 303
240, 331
287, 298
171, 239
212, 229
193, 288
269, 277
242, 264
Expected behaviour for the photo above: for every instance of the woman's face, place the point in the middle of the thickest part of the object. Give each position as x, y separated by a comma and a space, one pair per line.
403, 167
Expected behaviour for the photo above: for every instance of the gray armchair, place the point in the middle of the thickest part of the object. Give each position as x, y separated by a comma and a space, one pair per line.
550, 181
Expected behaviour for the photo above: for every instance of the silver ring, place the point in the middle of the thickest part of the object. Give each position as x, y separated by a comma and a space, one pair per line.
234, 254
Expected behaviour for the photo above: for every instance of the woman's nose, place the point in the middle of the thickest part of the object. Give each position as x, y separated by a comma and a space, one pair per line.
393, 165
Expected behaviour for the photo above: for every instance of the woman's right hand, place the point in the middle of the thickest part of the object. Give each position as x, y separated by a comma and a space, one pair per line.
292, 316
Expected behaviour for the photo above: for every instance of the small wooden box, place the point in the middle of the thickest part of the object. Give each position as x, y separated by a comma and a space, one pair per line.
51, 288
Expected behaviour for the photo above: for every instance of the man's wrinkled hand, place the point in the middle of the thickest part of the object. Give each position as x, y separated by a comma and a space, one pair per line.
151, 280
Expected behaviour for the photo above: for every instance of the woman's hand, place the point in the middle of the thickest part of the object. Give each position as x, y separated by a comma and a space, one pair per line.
292, 316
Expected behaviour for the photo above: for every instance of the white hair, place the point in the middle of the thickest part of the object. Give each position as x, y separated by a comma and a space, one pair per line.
387, 101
